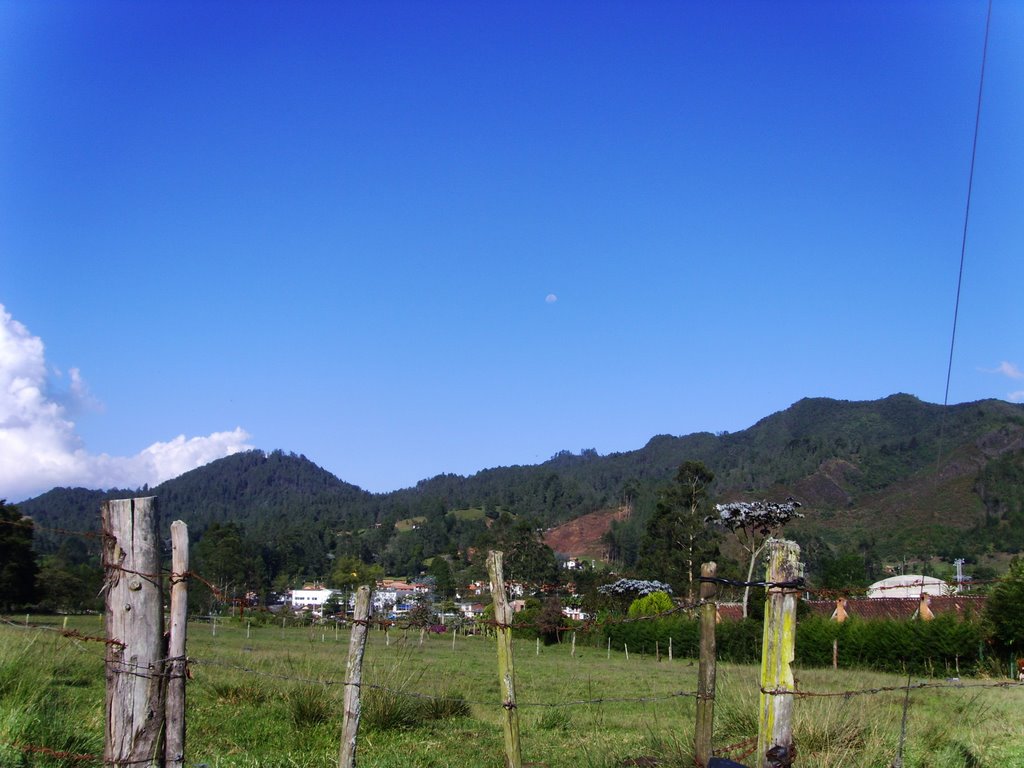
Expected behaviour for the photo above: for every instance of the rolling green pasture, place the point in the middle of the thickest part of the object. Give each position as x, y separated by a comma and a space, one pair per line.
273, 699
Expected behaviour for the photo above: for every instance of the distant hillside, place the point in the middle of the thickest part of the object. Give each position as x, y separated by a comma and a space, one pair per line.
897, 475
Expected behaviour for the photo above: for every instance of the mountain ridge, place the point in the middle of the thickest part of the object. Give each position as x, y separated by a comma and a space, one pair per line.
895, 474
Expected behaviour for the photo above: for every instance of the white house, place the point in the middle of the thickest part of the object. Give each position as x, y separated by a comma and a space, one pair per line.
311, 599
576, 614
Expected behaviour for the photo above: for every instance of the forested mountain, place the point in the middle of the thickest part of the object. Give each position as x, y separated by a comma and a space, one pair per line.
894, 478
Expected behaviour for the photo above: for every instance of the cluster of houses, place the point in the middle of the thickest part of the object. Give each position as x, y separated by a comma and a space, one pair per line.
394, 598
899, 597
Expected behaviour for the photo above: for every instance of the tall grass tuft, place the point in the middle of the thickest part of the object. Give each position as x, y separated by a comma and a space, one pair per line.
390, 700
555, 719
248, 692
385, 698
37, 691
310, 705
448, 704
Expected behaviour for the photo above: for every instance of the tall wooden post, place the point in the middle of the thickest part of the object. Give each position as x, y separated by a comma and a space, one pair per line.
506, 671
775, 748
134, 627
707, 669
354, 678
174, 747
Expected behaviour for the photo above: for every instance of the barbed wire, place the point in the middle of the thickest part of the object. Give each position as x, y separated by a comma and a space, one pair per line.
332, 682
30, 523
743, 749
951, 683
77, 757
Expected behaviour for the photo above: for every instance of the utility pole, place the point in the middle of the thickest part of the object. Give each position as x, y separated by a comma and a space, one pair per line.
959, 563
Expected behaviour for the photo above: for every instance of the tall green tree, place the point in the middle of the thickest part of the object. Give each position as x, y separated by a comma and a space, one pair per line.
350, 572
228, 562
1004, 611
527, 557
17, 561
678, 539
444, 580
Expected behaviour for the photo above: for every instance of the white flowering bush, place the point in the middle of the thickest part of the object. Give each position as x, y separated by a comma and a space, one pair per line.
753, 522
758, 517
638, 587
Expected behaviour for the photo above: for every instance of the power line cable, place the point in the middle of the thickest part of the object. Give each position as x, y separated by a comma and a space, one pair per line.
967, 216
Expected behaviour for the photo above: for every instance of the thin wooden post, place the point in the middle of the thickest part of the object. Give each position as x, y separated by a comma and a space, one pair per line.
573, 653
506, 670
707, 667
354, 678
625, 647
835, 653
174, 744
775, 747
134, 627
608, 655
670, 647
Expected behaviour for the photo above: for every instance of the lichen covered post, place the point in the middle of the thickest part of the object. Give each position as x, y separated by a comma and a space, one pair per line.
506, 670
707, 670
775, 746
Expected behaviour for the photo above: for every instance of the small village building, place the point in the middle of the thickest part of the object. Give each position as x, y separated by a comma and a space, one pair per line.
576, 614
909, 585
311, 599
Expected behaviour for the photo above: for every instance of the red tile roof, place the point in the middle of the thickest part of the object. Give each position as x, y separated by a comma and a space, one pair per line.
964, 606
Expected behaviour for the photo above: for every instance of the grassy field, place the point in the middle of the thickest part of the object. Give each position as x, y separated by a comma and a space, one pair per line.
272, 699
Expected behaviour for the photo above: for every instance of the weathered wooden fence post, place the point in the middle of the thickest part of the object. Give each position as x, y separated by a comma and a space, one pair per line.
174, 746
707, 667
775, 748
354, 678
134, 627
506, 670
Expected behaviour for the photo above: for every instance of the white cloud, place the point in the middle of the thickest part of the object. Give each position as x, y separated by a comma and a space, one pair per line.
1016, 397
551, 298
1007, 369
39, 448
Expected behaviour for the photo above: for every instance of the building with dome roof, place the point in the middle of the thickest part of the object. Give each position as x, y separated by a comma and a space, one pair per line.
909, 585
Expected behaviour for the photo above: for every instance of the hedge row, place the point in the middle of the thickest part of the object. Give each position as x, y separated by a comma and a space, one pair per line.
940, 647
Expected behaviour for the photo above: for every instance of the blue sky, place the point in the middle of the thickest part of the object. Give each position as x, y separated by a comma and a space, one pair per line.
413, 238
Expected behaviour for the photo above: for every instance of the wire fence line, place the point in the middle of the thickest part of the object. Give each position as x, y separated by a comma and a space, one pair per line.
956, 684
739, 751
158, 668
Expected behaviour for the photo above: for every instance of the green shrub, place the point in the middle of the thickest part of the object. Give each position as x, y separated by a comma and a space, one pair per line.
651, 605
943, 646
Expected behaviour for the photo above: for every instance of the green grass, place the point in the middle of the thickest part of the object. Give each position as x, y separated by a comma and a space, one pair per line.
472, 513
275, 700
409, 523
